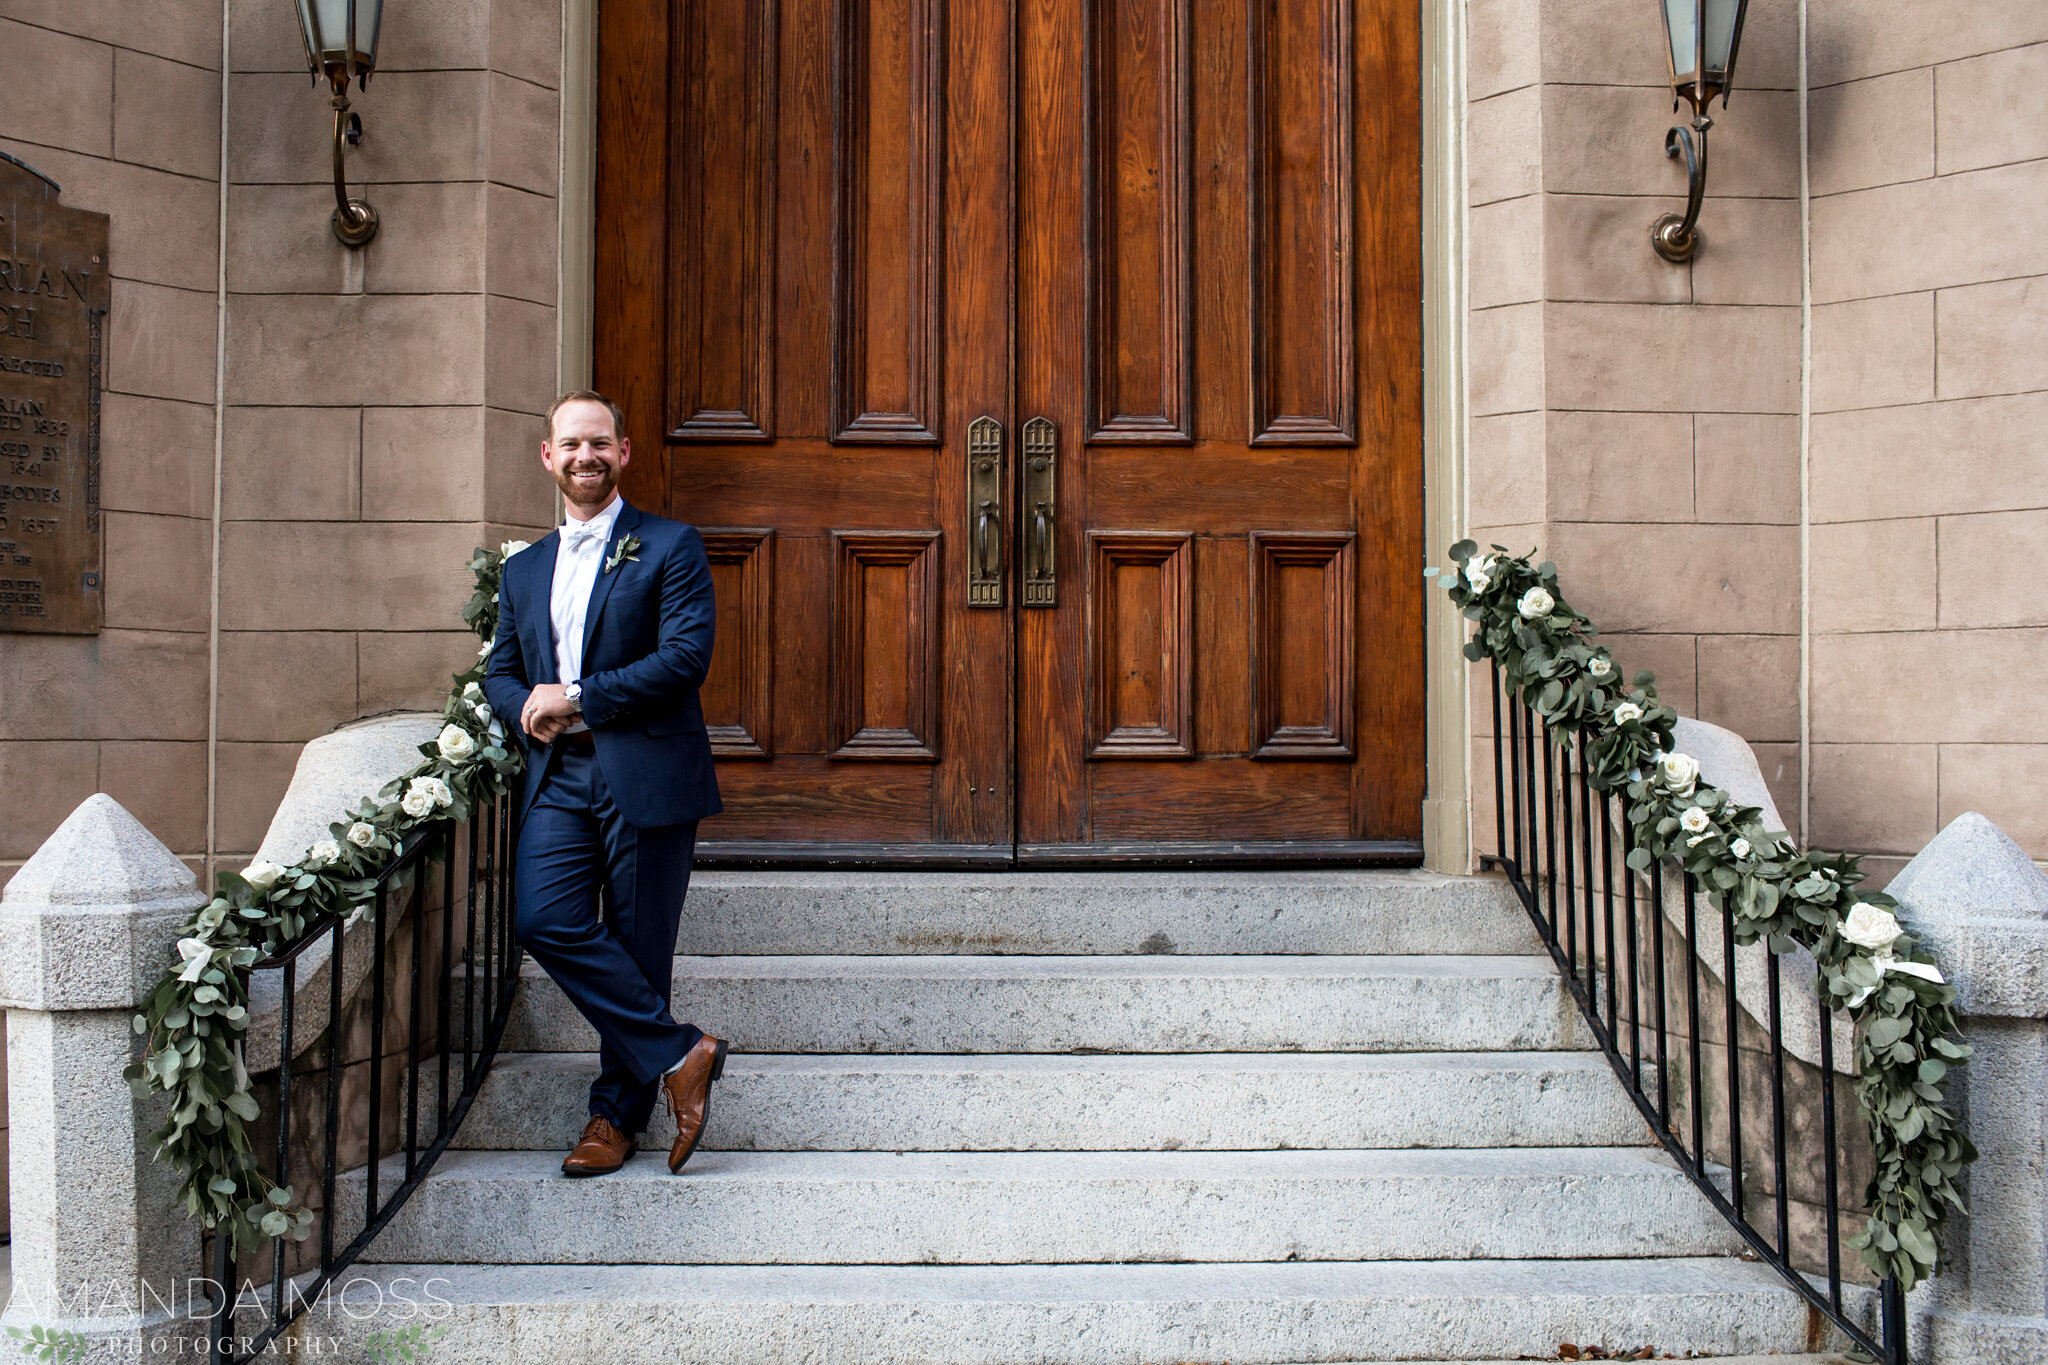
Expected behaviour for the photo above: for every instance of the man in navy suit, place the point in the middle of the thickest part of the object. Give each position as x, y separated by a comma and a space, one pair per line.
604, 636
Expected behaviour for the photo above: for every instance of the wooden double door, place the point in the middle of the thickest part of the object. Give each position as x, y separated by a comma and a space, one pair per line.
1044, 376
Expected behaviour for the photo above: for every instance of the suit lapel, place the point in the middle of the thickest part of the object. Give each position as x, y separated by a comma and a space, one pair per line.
628, 518
539, 596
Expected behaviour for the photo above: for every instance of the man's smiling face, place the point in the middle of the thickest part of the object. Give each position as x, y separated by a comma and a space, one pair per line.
585, 453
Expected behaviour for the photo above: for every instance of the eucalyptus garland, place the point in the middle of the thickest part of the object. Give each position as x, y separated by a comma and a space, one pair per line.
1870, 967
195, 1018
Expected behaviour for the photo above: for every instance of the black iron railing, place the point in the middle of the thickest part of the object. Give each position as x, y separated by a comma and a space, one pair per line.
455, 1020
1648, 988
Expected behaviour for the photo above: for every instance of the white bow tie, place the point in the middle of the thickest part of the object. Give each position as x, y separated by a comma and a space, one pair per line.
574, 535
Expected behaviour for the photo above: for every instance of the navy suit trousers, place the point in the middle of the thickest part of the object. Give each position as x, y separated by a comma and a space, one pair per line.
612, 959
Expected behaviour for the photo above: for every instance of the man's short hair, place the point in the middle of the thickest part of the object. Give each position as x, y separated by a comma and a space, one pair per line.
585, 396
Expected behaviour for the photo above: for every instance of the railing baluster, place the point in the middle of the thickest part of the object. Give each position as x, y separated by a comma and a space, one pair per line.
1832, 1203
1696, 1099
1607, 916
335, 1042
443, 1040
221, 1322
1515, 769
1657, 963
469, 943
376, 1054
284, 1127
1564, 840
1549, 822
1780, 1192
1635, 987
1734, 1013
1586, 887
412, 1031
1500, 808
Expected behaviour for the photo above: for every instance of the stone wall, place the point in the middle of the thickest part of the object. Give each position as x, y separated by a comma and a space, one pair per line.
1929, 170
120, 105
1640, 423
1634, 420
378, 417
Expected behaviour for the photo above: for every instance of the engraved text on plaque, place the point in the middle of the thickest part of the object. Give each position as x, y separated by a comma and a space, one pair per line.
53, 315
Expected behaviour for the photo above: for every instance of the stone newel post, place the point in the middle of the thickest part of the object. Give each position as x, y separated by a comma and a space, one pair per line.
86, 927
1976, 899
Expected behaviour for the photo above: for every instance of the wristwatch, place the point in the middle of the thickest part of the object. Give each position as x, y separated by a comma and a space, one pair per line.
574, 692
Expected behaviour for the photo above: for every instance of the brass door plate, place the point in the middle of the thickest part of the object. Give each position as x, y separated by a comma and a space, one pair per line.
984, 512
1041, 535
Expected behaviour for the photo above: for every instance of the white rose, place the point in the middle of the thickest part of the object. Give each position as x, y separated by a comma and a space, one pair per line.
262, 875
1599, 665
483, 713
323, 853
1680, 772
1695, 841
1740, 848
1694, 821
472, 693
1626, 712
455, 744
362, 834
416, 803
435, 789
483, 650
513, 547
1870, 926
1479, 572
1535, 602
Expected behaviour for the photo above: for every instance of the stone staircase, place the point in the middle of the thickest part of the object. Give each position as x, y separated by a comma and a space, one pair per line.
1089, 1118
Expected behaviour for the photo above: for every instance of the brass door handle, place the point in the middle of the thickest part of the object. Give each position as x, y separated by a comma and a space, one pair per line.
985, 510
1041, 488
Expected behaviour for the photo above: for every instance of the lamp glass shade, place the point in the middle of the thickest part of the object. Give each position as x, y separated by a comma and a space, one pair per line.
331, 49
1703, 36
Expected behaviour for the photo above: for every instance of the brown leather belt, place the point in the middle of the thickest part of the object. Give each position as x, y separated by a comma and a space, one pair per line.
578, 742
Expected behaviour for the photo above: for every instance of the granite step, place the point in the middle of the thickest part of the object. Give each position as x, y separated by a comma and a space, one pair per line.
1107, 913
1262, 1314
929, 1004
1157, 1102
987, 1208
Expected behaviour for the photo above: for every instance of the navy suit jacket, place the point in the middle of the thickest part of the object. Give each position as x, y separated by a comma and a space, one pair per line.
646, 647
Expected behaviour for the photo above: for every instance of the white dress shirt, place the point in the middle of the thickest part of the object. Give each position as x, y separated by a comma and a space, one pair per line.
577, 560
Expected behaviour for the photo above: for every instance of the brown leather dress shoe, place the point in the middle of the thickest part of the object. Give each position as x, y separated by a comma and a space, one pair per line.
688, 1088
601, 1150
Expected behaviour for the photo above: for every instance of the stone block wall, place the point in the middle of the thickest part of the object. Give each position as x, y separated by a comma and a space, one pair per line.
120, 105
381, 405
1634, 420
1641, 422
1929, 168
379, 413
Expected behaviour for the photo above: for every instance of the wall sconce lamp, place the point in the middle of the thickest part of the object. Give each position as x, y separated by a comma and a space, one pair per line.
1701, 38
341, 44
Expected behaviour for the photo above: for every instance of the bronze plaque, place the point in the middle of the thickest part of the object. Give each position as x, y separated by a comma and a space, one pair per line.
53, 337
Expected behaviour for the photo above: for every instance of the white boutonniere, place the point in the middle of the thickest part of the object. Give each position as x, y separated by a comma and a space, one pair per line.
627, 548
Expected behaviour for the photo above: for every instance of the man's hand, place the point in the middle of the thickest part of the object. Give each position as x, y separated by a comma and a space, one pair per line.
548, 712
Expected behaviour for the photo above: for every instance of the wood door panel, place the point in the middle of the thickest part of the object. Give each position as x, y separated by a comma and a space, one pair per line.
1140, 644
1219, 487
813, 797
1302, 602
888, 144
738, 694
1249, 799
1223, 691
1141, 362
1303, 385
721, 311
885, 644
808, 487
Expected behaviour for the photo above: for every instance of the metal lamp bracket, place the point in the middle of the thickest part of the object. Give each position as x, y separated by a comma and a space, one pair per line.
1677, 239
354, 220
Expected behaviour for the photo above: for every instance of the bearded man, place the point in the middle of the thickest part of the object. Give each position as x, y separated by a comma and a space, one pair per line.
604, 636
